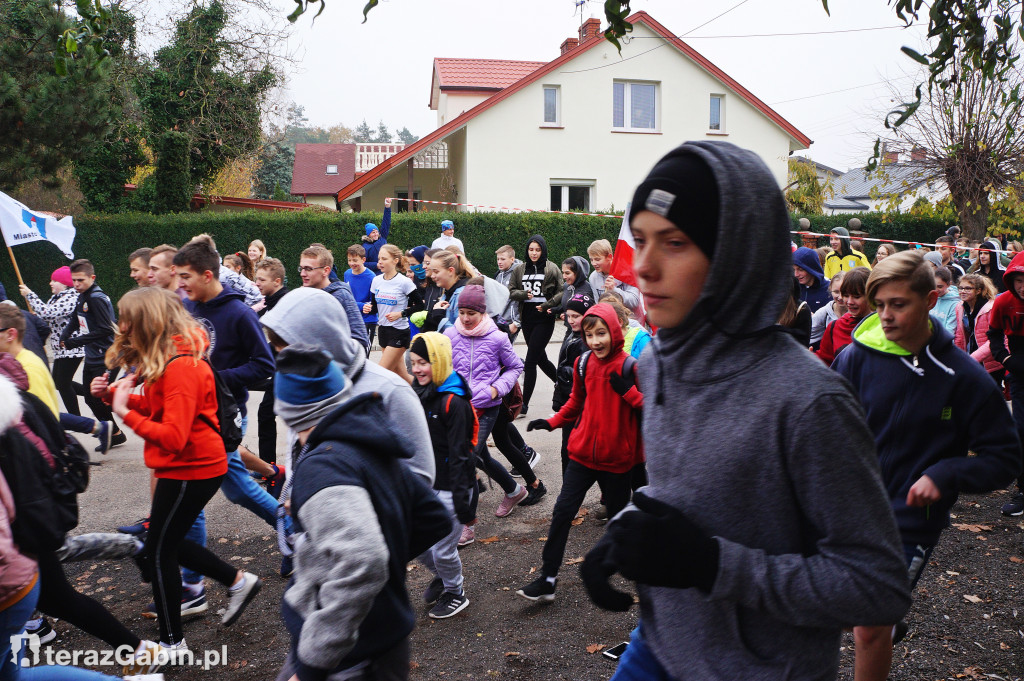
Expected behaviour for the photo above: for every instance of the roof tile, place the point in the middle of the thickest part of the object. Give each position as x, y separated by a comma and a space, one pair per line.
482, 74
309, 171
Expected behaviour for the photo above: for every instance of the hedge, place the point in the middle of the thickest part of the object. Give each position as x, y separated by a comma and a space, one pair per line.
107, 240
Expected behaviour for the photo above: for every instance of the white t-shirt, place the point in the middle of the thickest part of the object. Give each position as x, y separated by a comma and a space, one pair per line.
392, 295
446, 241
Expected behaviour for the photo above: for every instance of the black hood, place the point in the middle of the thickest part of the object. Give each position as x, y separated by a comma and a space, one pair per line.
363, 422
543, 261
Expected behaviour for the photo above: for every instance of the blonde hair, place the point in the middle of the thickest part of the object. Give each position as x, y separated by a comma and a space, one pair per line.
506, 250
448, 259
323, 255
154, 327
203, 238
908, 266
982, 284
260, 247
396, 253
600, 247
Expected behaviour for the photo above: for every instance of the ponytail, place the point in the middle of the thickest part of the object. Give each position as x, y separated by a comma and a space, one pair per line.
395, 252
457, 261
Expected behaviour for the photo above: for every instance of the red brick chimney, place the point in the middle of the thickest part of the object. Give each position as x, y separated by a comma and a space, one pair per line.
591, 28
569, 44
891, 157
918, 154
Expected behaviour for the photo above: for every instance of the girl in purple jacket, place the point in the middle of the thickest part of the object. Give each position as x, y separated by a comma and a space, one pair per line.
483, 354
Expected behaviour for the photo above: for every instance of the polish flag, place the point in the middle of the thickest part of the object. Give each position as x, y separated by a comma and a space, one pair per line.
622, 262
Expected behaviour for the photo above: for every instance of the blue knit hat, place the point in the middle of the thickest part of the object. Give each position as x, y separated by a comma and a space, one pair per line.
447, 224
418, 253
370, 227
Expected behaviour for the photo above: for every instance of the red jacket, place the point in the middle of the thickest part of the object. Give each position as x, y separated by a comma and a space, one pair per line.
607, 434
178, 444
837, 336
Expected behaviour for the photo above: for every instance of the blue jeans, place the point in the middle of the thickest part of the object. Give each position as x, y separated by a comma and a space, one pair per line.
638, 662
77, 424
12, 622
917, 556
197, 535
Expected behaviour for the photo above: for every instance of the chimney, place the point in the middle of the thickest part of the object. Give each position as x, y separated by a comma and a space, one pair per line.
891, 157
591, 28
569, 44
918, 154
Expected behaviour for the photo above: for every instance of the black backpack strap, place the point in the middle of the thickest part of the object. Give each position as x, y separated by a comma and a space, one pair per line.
581, 371
629, 369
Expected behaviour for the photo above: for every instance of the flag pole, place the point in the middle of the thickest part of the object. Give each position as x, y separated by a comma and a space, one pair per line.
17, 272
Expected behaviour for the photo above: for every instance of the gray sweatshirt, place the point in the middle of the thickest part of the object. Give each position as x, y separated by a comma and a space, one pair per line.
630, 295
303, 315
734, 413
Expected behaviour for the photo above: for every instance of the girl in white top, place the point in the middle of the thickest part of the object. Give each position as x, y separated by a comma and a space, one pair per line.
393, 297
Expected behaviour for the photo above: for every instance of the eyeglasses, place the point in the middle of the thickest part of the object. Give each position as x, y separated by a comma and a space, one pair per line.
307, 269
966, 288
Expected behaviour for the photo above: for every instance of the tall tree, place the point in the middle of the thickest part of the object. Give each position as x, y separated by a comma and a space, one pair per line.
972, 142
363, 133
46, 119
383, 135
406, 137
275, 171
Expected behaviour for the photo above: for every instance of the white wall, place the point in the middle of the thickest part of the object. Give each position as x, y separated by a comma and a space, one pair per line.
453, 105
511, 157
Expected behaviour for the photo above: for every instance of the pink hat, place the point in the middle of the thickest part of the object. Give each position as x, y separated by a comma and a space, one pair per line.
473, 298
63, 276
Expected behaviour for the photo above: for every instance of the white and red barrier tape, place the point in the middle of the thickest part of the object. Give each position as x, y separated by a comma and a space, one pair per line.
606, 215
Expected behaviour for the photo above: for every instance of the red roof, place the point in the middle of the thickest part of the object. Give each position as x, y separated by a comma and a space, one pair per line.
638, 17
309, 171
480, 74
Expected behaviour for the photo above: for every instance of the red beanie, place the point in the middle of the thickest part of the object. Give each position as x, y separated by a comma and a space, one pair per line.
63, 276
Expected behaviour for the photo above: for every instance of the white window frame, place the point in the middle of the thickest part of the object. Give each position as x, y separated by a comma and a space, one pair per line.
332, 172
626, 101
720, 130
565, 183
557, 123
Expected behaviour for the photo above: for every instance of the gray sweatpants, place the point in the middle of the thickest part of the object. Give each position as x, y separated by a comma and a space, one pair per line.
98, 546
443, 557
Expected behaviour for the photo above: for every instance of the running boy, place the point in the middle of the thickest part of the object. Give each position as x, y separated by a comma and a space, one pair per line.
507, 262
927, 403
604, 445
735, 585
95, 319
359, 278
445, 396
573, 346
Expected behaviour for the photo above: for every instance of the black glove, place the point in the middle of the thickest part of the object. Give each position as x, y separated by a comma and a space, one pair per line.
597, 567
1015, 365
539, 424
659, 546
619, 384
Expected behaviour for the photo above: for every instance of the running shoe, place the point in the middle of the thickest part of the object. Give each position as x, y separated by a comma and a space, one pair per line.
240, 598
41, 628
509, 502
1015, 506
448, 605
104, 431
137, 528
275, 482
192, 604
467, 537
434, 590
539, 590
533, 494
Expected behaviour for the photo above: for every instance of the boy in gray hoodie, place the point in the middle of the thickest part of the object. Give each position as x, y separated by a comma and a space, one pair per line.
756, 542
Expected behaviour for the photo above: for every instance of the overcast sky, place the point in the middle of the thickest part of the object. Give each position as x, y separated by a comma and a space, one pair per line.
381, 70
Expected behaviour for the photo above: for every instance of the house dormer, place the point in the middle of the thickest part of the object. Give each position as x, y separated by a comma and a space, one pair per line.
460, 84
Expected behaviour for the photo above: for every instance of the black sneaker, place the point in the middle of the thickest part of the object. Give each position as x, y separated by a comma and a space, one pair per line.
1015, 506
104, 432
192, 604
433, 590
41, 628
118, 439
533, 494
539, 590
899, 632
448, 604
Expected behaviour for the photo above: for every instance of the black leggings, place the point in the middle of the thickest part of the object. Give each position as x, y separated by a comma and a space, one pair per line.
100, 409
64, 369
176, 505
537, 330
266, 424
57, 598
510, 443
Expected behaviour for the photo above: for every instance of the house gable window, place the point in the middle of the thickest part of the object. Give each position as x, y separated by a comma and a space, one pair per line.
716, 117
332, 170
634, 106
572, 195
552, 106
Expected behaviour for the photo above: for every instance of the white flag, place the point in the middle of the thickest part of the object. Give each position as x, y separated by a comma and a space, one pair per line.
21, 225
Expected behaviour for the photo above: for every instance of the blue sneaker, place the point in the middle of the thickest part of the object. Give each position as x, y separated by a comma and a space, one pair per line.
192, 604
139, 527
104, 431
287, 567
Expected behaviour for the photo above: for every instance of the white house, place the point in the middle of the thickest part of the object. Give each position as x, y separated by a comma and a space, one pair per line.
579, 132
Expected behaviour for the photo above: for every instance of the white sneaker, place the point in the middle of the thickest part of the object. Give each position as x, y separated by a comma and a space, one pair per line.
149, 658
240, 597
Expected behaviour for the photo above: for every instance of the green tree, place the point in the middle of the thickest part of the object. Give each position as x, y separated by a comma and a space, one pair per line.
383, 134
198, 87
363, 133
406, 137
804, 193
46, 119
275, 171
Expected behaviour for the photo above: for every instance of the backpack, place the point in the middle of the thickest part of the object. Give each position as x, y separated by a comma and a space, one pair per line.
228, 414
45, 499
628, 370
476, 421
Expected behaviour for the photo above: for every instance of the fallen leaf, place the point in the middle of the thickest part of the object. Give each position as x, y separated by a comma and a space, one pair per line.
971, 599
574, 561
583, 511
414, 665
511, 654
595, 647
1004, 646
489, 540
578, 520
533, 570
1016, 559
545, 538
973, 527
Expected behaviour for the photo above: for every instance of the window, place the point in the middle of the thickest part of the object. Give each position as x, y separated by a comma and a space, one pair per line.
552, 108
332, 170
572, 195
406, 206
634, 106
716, 121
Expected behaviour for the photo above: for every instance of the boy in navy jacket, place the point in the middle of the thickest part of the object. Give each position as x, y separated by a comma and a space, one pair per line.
927, 403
